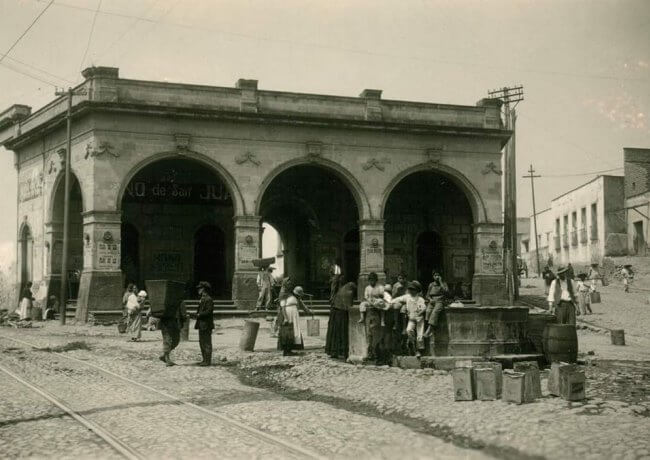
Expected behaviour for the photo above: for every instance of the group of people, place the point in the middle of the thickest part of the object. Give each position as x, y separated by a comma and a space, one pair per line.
413, 313
170, 322
26, 311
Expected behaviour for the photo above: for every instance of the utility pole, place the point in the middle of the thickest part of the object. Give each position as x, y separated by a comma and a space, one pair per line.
510, 95
532, 177
63, 298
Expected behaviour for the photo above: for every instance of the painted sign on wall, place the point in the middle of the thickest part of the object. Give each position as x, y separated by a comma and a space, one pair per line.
172, 192
108, 255
30, 185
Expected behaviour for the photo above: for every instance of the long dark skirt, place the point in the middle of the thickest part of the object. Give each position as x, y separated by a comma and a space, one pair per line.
336, 342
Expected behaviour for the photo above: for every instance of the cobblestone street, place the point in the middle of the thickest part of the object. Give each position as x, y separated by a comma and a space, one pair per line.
330, 408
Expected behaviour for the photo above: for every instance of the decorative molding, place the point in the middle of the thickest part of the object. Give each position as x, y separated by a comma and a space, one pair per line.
433, 155
247, 157
375, 163
52, 168
491, 167
182, 142
314, 150
103, 148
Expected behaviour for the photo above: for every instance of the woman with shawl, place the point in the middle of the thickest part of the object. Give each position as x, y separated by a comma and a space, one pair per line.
336, 343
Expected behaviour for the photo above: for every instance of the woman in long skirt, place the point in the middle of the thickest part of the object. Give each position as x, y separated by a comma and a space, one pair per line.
26, 299
336, 342
134, 306
290, 337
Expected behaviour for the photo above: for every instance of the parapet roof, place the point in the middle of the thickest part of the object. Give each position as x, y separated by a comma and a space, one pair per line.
104, 90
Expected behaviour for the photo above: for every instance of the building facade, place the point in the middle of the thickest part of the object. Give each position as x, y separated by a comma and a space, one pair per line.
637, 199
585, 225
174, 181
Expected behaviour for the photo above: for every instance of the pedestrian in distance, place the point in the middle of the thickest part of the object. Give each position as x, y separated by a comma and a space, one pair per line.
134, 305
549, 276
264, 283
51, 308
584, 294
26, 299
562, 298
205, 322
414, 306
628, 277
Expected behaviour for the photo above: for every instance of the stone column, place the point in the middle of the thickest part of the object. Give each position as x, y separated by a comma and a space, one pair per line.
489, 283
53, 247
247, 247
100, 287
371, 241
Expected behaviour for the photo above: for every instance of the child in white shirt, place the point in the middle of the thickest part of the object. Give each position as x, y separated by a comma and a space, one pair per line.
414, 306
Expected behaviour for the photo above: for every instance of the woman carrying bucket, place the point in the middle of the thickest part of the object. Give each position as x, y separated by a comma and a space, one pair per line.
290, 337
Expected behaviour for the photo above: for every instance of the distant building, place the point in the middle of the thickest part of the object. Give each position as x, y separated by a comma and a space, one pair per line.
637, 199
582, 225
544, 240
523, 234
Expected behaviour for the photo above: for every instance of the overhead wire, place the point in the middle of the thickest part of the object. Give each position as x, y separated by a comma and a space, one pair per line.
356, 50
90, 34
584, 174
13, 45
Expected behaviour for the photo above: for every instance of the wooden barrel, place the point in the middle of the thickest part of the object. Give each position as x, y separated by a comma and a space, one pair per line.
560, 343
249, 335
535, 331
618, 336
36, 314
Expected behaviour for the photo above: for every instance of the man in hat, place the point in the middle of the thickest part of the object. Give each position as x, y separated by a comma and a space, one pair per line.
561, 298
264, 283
413, 305
204, 322
628, 276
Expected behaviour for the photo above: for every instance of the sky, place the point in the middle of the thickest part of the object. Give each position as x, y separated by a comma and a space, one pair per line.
584, 65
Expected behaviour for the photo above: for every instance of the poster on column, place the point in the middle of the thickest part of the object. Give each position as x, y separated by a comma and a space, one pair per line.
246, 254
108, 255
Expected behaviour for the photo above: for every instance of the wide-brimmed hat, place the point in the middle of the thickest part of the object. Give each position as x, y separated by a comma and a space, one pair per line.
582, 276
561, 269
415, 285
627, 265
299, 291
270, 268
204, 285
142, 294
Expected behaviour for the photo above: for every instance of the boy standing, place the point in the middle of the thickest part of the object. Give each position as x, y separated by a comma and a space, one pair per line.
414, 306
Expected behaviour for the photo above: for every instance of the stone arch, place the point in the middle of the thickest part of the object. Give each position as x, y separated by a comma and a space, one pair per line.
58, 182
476, 203
348, 179
221, 172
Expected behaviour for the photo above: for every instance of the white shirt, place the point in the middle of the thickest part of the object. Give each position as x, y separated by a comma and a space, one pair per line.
336, 269
558, 292
132, 302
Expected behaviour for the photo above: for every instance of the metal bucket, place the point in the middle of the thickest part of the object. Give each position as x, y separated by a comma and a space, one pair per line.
313, 327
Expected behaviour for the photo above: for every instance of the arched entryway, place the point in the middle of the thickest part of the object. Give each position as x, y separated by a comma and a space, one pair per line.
313, 209
428, 225
184, 213
25, 252
75, 238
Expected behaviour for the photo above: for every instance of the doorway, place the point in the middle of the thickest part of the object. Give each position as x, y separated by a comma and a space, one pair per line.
639, 239
25, 253
351, 256
428, 256
210, 259
131, 255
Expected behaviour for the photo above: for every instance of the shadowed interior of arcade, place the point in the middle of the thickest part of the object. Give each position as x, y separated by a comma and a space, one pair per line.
316, 217
75, 239
428, 226
177, 224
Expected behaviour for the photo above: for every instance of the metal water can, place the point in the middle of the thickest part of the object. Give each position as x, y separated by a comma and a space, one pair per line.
313, 327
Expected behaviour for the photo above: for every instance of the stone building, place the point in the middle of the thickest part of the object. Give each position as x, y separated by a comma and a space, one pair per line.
174, 181
637, 199
586, 224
